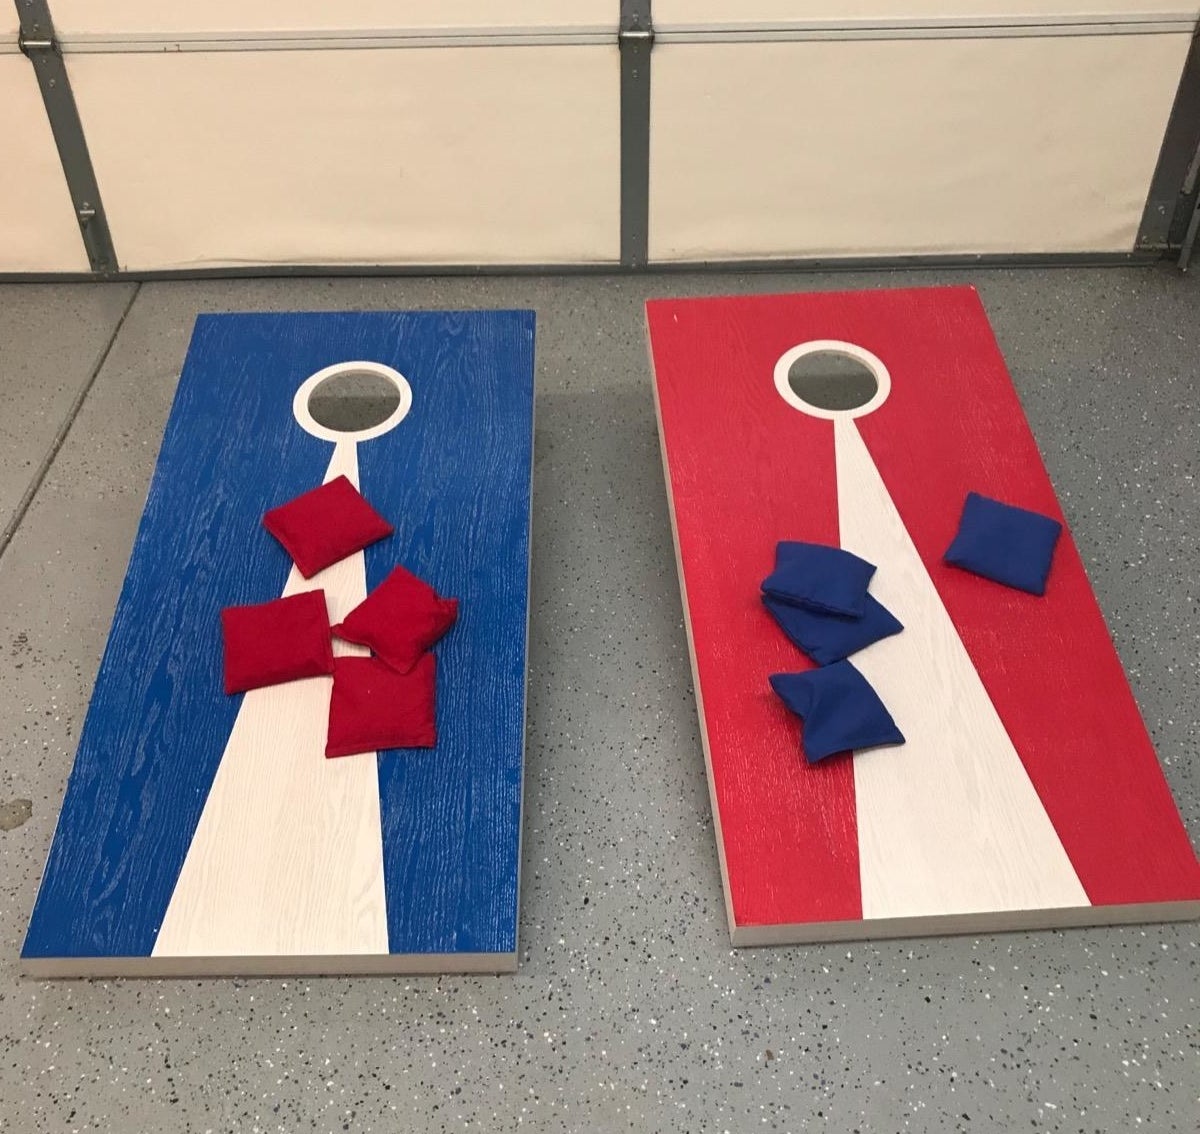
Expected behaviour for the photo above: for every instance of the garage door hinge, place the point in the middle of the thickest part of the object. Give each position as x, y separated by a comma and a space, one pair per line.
635, 27
635, 37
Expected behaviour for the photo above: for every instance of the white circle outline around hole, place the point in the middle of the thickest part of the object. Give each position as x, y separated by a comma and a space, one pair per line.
883, 380
309, 424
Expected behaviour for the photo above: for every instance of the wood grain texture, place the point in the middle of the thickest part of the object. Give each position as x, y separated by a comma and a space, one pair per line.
454, 477
287, 859
950, 823
1047, 663
746, 469
788, 836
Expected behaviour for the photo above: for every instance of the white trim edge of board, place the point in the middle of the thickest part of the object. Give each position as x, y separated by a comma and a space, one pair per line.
365, 964
1005, 921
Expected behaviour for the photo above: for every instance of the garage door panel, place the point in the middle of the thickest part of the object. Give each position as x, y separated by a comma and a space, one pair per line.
1017, 145
429, 155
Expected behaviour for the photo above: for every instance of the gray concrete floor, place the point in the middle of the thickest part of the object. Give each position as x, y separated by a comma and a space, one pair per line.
630, 1011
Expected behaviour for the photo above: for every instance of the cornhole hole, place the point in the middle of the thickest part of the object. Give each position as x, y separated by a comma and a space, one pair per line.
208, 834
1028, 793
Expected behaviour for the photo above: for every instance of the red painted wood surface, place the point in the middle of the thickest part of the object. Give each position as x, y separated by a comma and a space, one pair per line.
745, 470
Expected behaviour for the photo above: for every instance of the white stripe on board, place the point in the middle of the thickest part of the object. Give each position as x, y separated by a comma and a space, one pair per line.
288, 856
949, 823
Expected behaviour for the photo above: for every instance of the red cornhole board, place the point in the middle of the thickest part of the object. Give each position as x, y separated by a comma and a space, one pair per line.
1028, 793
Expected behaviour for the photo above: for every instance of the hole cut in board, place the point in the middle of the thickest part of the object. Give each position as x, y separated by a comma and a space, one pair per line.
352, 401
843, 381
832, 380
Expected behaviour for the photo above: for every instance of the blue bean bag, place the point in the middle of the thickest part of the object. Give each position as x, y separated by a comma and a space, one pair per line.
820, 577
828, 638
1006, 544
840, 710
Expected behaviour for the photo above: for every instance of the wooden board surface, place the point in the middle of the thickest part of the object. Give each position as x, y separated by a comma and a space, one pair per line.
1028, 793
206, 834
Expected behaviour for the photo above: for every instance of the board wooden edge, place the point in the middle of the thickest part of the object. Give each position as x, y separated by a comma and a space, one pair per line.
528, 637
985, 922
691, 645
317, 965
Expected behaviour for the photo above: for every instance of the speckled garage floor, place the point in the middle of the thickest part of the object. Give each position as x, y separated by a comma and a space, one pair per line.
630, 1011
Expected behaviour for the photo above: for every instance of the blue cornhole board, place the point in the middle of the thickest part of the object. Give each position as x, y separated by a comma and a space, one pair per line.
454, 478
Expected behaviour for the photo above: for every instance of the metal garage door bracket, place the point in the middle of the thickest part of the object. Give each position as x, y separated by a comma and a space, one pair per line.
1170, 204
38, 43
635, 38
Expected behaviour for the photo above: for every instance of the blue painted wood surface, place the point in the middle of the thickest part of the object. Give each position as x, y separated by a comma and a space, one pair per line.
454, 478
